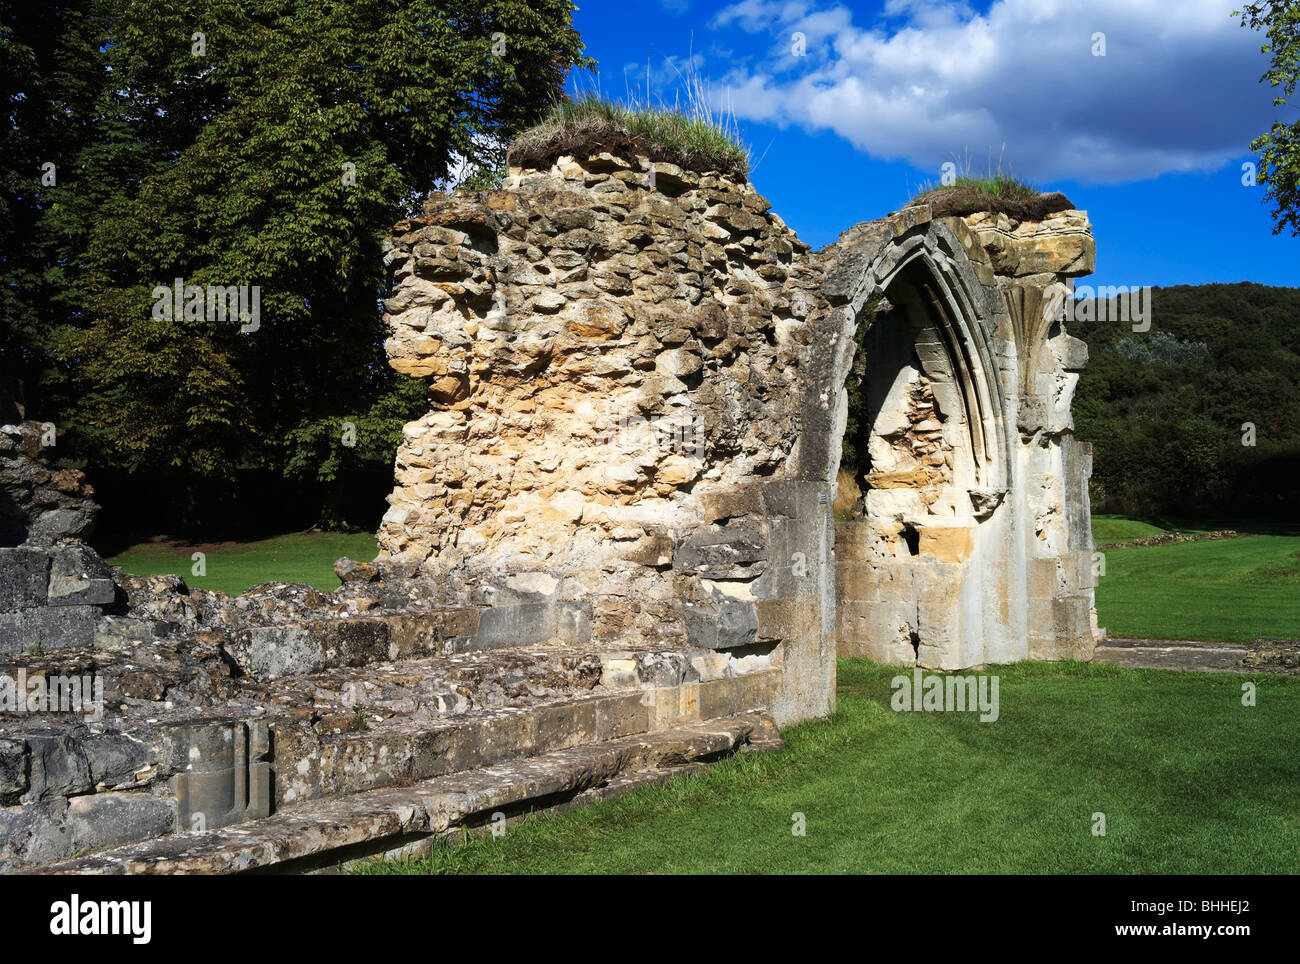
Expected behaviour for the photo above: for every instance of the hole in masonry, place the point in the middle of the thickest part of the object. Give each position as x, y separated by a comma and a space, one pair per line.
912, 538
915, 639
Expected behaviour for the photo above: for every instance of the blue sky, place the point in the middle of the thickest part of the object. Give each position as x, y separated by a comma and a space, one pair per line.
1149, 138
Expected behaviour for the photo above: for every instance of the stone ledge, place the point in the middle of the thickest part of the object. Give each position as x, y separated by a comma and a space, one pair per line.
338, 825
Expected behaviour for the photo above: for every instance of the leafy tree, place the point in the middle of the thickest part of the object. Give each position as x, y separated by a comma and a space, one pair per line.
49, 81
1279, 147
269, 145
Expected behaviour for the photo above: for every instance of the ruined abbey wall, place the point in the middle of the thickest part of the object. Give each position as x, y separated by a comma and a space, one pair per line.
636, 376
617, 358
968, 540
621, 542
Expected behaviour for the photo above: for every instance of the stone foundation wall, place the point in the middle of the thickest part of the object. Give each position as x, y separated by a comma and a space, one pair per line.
53, 588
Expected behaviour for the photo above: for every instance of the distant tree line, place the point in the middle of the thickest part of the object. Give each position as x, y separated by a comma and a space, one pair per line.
1200, 415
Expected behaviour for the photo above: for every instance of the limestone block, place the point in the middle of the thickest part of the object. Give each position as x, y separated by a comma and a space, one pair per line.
1061, 244
270, 652
721, 625
78, 576
24, 577
565, 725
412, 635
619, 716
99, 821
529, 623
48, 627
946, 543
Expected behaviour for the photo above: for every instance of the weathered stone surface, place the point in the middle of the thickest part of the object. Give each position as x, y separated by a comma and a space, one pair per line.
39, 506
653, 383
322, 829
724, 625
13, 770
24, 578
269, 652
63, 828
59, 767
78, 576
972, 485
628, 357
47, 628
350, 571
1060, 244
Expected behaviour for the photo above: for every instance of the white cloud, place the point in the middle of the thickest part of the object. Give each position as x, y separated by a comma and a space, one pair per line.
1178, 88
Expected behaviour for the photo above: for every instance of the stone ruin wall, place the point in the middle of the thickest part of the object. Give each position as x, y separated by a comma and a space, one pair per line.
968, 537
635, 375
53, 588
636, 380
617, 371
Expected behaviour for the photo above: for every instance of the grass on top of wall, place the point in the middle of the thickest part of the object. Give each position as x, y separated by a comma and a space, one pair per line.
693, 136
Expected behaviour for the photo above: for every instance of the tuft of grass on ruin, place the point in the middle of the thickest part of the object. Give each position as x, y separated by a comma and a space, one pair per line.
980, 192
1001, 186
693, 136
999, 193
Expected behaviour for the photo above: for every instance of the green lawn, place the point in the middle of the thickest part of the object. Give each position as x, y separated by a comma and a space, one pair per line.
234, 566
1230, 589
1190, 781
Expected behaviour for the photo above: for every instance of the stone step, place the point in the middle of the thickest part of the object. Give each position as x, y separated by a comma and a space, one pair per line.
323, 833
1175, 654
310, 764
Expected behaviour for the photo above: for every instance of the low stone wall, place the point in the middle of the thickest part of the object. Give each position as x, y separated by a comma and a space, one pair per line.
202, 712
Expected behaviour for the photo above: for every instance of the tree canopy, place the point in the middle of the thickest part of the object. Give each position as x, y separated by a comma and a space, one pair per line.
269, 145
1279, 146
1200, 416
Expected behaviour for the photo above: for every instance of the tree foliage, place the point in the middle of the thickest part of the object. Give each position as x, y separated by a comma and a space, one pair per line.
233, 144
1167, 410
1279, 147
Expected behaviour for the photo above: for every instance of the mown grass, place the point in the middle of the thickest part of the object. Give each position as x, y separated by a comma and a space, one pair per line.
233, 567
1189, 780
1230, 589
1118, 528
